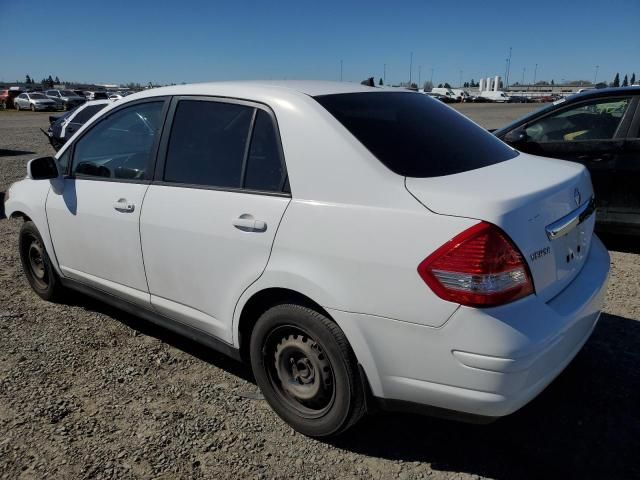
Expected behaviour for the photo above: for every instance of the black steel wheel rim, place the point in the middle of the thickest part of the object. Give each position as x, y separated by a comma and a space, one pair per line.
299, 371
36, 263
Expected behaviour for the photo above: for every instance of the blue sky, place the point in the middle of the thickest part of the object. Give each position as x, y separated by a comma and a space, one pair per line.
192, 41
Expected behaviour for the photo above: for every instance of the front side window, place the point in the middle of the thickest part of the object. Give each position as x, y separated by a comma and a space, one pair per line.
63, 161
121, 146
595, 120
207, 144
414, 135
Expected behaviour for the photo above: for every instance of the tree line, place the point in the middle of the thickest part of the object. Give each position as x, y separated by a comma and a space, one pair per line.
625, 83
48, 82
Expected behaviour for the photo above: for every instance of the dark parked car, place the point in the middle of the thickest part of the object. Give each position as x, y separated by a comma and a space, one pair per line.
601, 130
7, 96
62, 127
67, 99
97, 95
520, 99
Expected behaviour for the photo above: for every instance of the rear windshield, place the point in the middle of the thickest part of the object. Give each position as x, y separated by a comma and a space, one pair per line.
414, 135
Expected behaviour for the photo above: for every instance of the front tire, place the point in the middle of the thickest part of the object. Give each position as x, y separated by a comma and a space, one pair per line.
37, 264
17, 105
307, 370
33, 107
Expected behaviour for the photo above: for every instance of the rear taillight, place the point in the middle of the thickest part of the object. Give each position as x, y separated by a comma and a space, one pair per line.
481, 267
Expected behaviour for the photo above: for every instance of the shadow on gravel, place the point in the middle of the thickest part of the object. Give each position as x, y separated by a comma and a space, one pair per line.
585, 425
14, 153
2, 215
182, 343
620, 243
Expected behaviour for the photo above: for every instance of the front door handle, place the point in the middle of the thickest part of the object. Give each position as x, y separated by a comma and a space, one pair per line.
122, 205
247, 223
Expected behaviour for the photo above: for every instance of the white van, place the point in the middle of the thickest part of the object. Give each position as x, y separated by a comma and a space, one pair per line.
461, 95
495, 96
447, 92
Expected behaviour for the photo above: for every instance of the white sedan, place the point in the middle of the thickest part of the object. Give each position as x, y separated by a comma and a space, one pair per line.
357, 245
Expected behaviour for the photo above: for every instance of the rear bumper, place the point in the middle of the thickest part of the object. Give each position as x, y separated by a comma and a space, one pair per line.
482, 362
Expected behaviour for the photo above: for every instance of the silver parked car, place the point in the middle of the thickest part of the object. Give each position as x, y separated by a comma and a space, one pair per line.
66, 99
34, 101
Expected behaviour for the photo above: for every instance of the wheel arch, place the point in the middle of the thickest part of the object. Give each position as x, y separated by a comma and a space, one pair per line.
260, 302
20, 214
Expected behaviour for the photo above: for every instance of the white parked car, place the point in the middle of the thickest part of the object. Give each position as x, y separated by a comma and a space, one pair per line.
357, 245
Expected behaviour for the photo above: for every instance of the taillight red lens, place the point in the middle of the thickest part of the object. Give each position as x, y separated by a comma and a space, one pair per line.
481, 267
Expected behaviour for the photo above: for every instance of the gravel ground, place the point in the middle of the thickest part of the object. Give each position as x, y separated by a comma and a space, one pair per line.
87, 391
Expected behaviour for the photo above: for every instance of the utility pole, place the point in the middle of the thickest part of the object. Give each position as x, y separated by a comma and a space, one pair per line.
595, 77
508, 68
535, 72
431, 81
384, 74
460, 83
410, 67
340, 70
419, 75
523, 70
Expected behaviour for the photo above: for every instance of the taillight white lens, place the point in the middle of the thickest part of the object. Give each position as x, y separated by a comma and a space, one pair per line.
481, 267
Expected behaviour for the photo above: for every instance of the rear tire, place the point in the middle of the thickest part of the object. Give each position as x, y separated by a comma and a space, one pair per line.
307, 370
37, 264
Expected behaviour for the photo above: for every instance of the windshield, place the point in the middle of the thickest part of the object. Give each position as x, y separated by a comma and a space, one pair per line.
37, 96
414, 135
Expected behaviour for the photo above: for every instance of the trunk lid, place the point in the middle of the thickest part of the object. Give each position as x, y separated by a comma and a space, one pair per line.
523, 196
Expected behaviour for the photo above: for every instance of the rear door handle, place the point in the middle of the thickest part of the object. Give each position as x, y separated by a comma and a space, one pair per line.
122, 205
247, 223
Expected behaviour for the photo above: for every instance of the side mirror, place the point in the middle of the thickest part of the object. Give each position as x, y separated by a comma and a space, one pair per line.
42, 168
518, 135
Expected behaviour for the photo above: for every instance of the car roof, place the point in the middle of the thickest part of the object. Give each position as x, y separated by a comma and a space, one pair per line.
308, 87
603, 92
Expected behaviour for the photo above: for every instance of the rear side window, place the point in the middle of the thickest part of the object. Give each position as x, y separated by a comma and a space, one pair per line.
86, 113
264, 169
207, 143
414, 135
213, 144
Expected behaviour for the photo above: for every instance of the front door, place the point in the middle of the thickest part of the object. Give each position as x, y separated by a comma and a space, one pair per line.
624, 202
591, 133
94, 221
210, 217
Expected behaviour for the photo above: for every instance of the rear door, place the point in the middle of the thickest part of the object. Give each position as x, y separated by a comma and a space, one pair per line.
211, 215
591, 133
